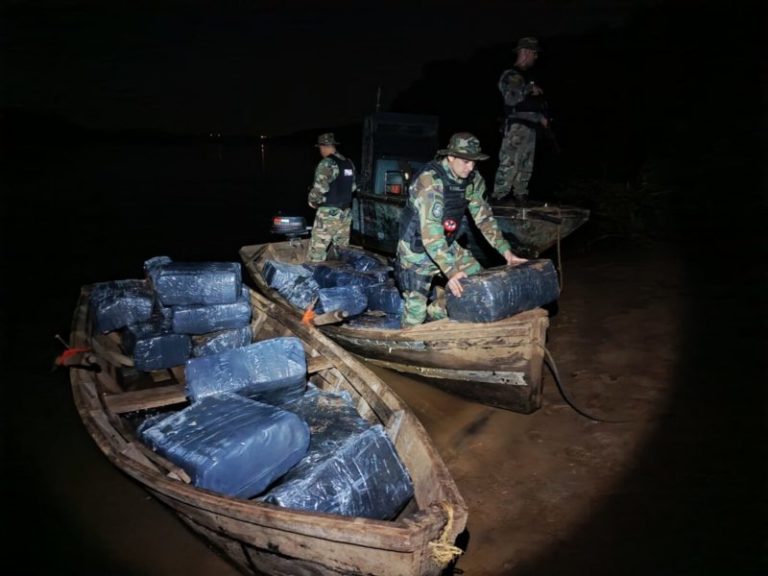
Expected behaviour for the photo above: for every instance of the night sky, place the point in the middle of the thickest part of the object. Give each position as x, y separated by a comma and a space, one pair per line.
255, 67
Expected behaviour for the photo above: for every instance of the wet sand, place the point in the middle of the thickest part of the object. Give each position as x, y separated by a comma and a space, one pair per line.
669, 338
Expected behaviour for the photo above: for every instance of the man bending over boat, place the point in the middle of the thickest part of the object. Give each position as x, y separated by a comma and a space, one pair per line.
331, 195
427, 251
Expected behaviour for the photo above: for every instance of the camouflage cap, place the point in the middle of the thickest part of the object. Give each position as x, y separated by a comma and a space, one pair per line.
326, 139
463, 145
529, 43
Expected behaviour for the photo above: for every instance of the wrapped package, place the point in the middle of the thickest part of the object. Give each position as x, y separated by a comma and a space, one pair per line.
275, 365
385, 297
195, 283
215, 342
118, 303
331, 274
153, 266
355, 257
294, 282
350, 299
504, 291
363, 477
154, 346
204, 318
230, 444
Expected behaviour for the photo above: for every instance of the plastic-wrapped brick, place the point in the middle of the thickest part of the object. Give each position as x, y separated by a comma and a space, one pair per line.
364, 477
153, 266
294, 282
385, 297
193, 283
118, 303
504, 291
278, 364
331, 274
358, 259
350, 299
216, 342
153, 345
230, 444
205, 318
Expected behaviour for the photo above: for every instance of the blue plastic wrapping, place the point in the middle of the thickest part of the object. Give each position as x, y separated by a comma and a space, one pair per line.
504, 291
153, 266
216, 342
153, 345
350, 299
193, 283
118, 303
375, 322
385, 297
331, 274
363, 477
294, 282
204, 318
278, 364
332, 419
358, 259
230, 444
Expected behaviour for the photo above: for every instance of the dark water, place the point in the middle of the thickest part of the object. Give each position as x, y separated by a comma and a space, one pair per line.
77, 214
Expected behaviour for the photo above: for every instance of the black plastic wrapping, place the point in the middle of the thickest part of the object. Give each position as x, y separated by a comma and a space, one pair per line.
331, 274
204, 318
363, 477
504, 291
278, 364
118, 303
230, 444
358, 259
294, 282
216, 342
375, 322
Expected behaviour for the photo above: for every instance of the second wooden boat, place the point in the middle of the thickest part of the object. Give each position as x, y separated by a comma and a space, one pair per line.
499, 363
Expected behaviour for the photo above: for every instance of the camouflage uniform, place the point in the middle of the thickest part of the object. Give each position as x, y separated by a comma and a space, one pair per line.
332, 224
417, 270
519, 143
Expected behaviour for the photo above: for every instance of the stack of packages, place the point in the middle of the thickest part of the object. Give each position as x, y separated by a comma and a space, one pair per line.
179, 309
254, 427
355, 283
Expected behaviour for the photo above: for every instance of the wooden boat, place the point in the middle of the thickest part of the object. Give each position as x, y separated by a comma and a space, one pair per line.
262, 538
499, 363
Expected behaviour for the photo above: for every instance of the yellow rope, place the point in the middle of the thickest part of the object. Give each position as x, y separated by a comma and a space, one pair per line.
443, 551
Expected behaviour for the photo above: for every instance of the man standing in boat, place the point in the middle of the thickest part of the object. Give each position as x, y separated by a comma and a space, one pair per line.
524, 112
427, 250
331, 195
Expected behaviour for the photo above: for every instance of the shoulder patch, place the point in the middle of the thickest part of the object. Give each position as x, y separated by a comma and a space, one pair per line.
437, 209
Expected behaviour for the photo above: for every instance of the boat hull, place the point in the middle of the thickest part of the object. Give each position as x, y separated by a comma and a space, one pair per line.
261, 538
497, 363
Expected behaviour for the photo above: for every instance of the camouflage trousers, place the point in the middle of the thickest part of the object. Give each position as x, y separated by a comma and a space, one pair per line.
515, 162
416, 273
331, 226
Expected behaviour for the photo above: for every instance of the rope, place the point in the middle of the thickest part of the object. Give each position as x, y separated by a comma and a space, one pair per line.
442, 550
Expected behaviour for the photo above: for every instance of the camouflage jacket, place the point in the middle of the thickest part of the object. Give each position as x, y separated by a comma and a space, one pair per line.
514, 89
426, 195
326, 172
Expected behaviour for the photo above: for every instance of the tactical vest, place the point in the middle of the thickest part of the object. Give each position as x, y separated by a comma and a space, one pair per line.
340, 190
454, 205
530, 103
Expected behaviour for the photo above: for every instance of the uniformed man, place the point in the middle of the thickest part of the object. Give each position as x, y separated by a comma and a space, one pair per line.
524, 109
427, 250
331, 195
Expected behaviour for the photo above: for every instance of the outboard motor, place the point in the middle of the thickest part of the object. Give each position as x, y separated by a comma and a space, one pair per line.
290, 226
